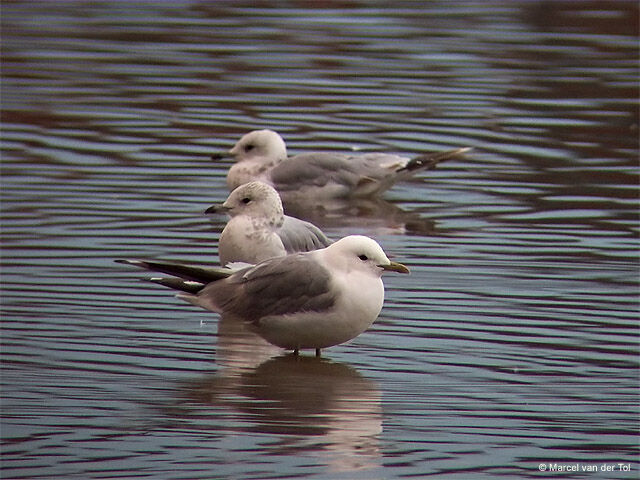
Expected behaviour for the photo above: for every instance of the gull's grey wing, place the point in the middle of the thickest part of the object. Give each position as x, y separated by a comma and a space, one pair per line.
300, 236
347, 175
279, 286
313, 170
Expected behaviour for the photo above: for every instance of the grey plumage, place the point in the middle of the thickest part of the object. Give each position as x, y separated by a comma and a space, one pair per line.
279, 286
300, 236
262, 155
259, 229
350, 175
305, 300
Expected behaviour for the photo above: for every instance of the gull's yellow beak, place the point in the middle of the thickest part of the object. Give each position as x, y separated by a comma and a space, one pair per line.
395, 267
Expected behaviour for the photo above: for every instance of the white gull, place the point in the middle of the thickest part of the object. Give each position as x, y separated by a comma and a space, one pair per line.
259, 229
262, 155
309, 300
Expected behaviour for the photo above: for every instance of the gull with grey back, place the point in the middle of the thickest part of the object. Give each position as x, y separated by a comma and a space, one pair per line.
262, 155
259, 229
310, 300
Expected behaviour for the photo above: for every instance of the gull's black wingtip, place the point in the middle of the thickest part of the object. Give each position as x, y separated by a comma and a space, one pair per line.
429, 161
126, 261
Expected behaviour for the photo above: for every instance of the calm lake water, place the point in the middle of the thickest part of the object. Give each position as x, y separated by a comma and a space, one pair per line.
512, 347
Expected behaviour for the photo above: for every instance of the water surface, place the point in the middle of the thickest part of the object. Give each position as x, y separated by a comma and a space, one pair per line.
514, 342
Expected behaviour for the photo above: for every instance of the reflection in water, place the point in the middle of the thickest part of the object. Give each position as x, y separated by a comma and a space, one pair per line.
372, 215
239, 348
311, 404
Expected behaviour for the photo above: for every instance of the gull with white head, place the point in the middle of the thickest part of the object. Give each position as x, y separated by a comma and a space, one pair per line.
262, 155
259, 229
311, 300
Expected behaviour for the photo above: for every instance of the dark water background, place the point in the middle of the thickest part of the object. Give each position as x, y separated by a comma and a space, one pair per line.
513, 343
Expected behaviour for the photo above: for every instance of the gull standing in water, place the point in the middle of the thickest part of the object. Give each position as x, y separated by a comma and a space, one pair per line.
309, 300
262, 155
259, 229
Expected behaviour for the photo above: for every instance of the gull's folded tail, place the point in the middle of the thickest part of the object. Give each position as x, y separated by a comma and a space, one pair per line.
428, 161
186, 286
189, 273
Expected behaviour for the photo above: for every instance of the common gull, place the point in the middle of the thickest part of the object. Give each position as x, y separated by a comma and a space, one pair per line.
310, 300
259, 229
262, 155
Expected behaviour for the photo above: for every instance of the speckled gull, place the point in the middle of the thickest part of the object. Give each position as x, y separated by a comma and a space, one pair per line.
262, 155
259, 229
310, 300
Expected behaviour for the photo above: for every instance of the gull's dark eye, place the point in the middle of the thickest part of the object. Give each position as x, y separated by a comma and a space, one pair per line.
364, 258
248, 148
246, 200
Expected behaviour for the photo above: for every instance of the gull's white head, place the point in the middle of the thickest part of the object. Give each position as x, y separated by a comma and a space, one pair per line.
260, 144
254, 199
357, 252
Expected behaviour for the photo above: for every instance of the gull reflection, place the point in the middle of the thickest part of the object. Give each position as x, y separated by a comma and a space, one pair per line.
370, 214
315, 406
